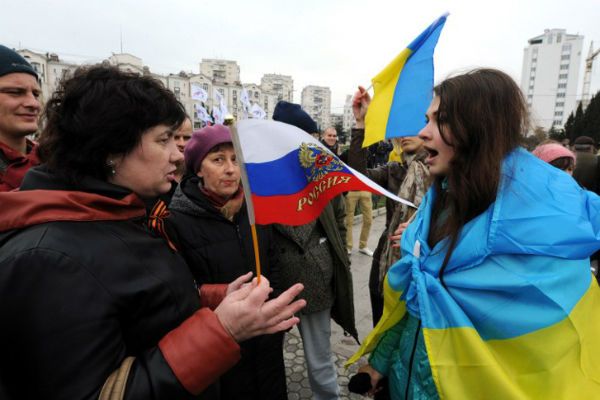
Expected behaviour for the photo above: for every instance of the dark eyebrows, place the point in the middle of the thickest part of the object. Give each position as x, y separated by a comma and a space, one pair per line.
7, 89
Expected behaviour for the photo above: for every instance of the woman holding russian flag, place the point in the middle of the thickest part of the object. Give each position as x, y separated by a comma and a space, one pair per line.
210, 218
493, 295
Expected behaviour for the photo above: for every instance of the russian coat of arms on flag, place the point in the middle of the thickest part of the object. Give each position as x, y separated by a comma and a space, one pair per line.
316, 162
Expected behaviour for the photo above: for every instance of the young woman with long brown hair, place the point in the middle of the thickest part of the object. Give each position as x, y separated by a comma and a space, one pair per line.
492, 295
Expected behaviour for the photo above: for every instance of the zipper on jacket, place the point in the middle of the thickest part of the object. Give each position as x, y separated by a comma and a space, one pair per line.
412, 359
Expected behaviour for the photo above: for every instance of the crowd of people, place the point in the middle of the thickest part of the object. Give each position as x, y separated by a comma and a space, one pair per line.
127, 260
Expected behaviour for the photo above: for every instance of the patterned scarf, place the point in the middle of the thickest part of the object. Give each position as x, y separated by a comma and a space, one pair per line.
413, 188
228, 207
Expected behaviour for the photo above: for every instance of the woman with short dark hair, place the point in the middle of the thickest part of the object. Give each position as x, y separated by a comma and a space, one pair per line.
96, 302
493, 294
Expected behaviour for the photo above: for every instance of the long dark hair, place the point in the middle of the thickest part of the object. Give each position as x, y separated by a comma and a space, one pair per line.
482, 115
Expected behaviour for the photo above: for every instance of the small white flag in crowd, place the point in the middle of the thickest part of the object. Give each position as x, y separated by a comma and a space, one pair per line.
202, 113
218, 116
218, 97
223, 109
257, 112
198, 93
245, 100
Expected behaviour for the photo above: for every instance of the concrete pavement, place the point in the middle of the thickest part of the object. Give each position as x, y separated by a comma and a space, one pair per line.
343, 347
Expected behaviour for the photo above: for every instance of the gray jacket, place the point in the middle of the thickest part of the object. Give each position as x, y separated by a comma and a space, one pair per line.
315, 255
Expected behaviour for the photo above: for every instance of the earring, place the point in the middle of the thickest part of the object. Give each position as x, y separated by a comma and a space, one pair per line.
111, 165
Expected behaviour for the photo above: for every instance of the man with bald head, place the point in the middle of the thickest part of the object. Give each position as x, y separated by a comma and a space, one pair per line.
19, 112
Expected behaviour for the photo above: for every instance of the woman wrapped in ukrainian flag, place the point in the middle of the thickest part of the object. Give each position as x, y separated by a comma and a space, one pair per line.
493, 297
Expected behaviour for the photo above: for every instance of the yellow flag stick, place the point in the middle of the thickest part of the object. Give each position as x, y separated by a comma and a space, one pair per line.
256, 252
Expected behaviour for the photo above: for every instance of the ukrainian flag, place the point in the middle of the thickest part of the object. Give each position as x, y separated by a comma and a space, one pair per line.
517, 316
403, 90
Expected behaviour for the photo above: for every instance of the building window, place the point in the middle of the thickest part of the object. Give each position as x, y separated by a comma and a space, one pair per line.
562, 85
557, 122
558, 38
563, 76
560, 104
565, 56
566, 66
205, 86
560, 95
558, 114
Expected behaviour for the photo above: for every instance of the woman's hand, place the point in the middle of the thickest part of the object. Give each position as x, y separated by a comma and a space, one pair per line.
246, 313
238, 283
360, 105
397, 236
375, 378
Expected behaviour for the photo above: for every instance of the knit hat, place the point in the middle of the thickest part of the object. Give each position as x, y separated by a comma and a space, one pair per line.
201, 142
551, 151
293, 114
11, 61
584, 140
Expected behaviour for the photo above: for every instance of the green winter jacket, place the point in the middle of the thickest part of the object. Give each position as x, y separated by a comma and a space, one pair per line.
401, 353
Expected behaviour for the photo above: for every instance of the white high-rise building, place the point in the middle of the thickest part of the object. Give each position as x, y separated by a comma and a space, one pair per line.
221, 71
281, 85
348, 121
316, 101
550, 77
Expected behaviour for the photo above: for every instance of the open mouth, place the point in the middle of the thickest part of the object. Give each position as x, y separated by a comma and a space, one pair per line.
432, 152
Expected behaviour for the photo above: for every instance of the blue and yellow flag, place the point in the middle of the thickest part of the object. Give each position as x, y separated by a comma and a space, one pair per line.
404, 89
516, 315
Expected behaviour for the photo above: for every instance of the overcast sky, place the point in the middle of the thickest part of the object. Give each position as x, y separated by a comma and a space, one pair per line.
318, 42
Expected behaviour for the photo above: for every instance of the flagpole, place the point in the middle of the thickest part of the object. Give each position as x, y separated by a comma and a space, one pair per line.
247, 195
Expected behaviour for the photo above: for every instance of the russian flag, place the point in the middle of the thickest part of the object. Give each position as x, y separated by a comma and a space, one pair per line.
291, 175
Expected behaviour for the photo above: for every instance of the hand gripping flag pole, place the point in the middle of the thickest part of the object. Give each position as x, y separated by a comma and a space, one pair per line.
247, 195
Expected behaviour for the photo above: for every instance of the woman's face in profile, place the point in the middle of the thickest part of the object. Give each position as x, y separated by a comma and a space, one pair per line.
149, 169
440, 153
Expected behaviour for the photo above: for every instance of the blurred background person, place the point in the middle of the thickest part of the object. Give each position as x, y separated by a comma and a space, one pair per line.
19, 111
330, 140
556, 155
587, 165
182, 136
409, 179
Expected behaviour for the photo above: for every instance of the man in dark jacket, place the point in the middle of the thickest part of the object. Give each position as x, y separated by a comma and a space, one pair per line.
587, 168
315, 255
19, 110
